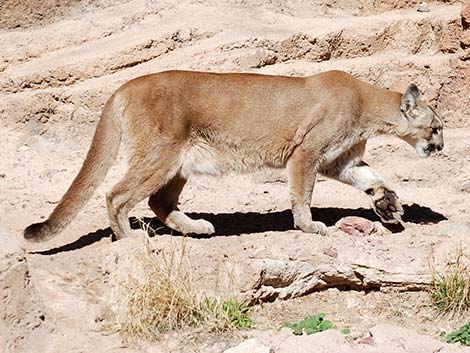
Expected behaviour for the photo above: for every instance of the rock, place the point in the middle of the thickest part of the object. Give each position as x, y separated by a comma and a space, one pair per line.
286, 331
259, 58
450, 38
332, 252
360, 227
356, 226
423, 7
24, 148
369, 340
280, 279
355, 335
404, 339
21, 311
326, 341
465, 186
465, 14
465, 55
381, 339
252, 345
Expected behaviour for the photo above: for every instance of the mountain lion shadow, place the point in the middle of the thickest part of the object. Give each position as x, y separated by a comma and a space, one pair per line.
254, 222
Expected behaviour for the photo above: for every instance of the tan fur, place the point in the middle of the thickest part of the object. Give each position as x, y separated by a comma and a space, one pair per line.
178, 123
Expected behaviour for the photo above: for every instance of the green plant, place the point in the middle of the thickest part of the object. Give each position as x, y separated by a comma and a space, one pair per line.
450, 290
311, 324
461, 335
222, 315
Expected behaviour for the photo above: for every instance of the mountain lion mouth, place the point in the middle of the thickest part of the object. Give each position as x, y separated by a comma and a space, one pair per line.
430, 148
433, 148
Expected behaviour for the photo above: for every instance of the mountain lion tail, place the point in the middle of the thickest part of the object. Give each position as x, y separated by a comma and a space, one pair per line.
101, 155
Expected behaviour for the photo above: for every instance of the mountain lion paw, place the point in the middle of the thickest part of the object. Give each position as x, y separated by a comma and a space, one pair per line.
134, 233
313, 227
197, 226
387, 206
204, 227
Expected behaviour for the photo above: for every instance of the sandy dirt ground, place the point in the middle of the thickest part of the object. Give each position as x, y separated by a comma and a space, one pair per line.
60, 60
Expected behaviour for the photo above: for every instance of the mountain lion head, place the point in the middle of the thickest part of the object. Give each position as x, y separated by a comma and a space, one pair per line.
424, 127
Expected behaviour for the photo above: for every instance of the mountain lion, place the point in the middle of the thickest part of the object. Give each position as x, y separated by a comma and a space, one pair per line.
178, 123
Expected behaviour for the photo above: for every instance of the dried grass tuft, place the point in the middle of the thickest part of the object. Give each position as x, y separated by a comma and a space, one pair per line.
450, 292
164, 298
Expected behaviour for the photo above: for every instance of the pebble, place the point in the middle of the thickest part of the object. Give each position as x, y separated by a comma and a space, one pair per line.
24, 148
423, 7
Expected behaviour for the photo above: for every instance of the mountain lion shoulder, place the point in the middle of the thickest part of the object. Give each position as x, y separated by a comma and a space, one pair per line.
178, 123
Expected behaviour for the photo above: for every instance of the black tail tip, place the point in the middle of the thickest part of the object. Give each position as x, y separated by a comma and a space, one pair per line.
36, 232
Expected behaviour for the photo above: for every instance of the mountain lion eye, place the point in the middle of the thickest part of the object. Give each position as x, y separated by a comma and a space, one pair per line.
435, 130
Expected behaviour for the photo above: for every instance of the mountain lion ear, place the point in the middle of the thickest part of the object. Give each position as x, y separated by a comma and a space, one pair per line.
409, 98
414, 90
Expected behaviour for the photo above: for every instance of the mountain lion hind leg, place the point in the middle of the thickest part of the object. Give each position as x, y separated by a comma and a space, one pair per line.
144, 176
164, 203
350, 169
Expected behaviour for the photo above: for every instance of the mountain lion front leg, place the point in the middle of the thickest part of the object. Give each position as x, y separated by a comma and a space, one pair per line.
302, 170
385, 201
164, 202
350, 169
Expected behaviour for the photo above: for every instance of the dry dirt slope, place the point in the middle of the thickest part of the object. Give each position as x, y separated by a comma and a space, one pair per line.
59, 61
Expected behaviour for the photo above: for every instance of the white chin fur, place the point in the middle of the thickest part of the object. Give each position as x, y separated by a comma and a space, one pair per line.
422, 153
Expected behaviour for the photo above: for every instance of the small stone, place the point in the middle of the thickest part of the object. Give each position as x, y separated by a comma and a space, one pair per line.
24, 148
356, 226
257, 59
387, 84
331, 251
465, 55
464, 187
423, 7
354, 335
286, 331
367, 340
360, 227
252, 345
